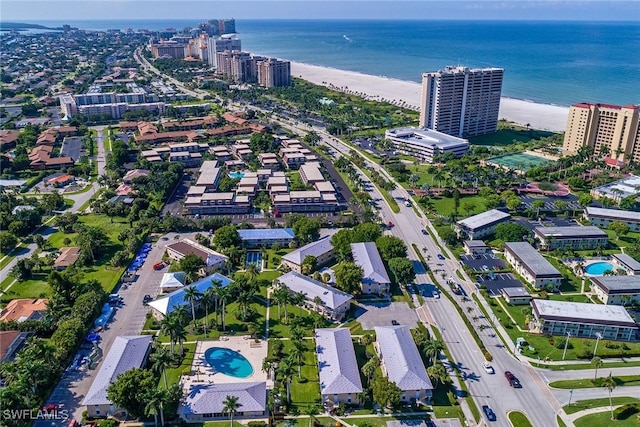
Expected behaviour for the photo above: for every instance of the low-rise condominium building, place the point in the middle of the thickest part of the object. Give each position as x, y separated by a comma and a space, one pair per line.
602, 217
258, 237
126, 353
627, 263
321, 250
205, 402
616, 290
375, 279
402, 364
481, 225
427, 145
327, 300
338, 368
571, 237
533, 267
582, 320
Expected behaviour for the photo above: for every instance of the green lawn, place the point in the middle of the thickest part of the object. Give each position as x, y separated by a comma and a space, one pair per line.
306, 394
444, 205
509, 134
37, 287
623, 380
273, 258
518, 419
582, 366
174, 373
604, 419
581, 405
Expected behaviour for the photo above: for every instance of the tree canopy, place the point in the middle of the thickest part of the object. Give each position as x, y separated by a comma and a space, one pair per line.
306, 230
511, 232
391, 247
129, 391
348, 277
226, 237
402, 270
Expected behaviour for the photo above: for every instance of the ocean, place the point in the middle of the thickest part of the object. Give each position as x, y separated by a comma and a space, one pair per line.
549, 62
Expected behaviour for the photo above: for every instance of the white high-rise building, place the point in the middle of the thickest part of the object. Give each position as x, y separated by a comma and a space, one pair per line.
216, 45
461, 101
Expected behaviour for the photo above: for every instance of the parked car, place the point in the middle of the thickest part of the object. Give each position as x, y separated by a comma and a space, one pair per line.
424, 231
158, 265
436, 294
488, 368
513, 381
146, 299
390, 224
491, 416
395, 322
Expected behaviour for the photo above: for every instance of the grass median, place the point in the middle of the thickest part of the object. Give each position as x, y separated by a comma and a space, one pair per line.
621, 381
603, 402
518, 419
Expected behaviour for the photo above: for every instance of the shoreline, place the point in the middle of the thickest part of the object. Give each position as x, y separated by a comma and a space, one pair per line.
407, 94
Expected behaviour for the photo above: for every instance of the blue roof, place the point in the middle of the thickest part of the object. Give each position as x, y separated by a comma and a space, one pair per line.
266, 233
168, 303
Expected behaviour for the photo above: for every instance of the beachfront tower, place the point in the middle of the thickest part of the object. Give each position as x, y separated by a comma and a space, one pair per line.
461, 101
611, 130
217, 45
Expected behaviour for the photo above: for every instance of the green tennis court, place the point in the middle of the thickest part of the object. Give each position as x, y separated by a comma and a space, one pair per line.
519, 161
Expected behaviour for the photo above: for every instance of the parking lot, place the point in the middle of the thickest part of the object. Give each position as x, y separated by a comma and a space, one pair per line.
382, 314
72, 147
483, 262
495, 282
571, 200
128, 319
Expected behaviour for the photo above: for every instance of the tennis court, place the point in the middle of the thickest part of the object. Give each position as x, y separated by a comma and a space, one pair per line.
519, 161
253, 258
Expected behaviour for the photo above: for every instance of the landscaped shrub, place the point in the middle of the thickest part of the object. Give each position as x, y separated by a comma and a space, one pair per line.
256, 424
625, 411
302, 380
611, 345
452, 398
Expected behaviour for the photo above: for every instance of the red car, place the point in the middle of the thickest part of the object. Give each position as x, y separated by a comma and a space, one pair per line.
390, 224
158, 265
50, 407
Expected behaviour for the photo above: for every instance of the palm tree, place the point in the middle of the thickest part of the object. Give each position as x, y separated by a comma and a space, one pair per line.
286, 371
181, 313
223, 295
596, 362
169, 325
609, 383
162, 359
215, 292
297, 352
207, 300
267, 366
369, 368
298, 298
251, 271
312, 411
191, 294
433, 349
155, 404
231, 405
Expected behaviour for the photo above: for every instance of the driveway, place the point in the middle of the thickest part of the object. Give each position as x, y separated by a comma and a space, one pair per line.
381, 314
128, 320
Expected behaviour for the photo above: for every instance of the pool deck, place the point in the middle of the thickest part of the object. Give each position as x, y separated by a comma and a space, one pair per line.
254, 352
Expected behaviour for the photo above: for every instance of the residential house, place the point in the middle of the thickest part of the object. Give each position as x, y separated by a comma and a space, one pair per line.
329, 301
24, 309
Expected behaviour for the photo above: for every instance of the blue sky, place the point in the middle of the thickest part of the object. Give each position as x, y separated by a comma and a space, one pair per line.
37, 10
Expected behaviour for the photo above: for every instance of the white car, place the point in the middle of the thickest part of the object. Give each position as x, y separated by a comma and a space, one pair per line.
436, 295
488, 368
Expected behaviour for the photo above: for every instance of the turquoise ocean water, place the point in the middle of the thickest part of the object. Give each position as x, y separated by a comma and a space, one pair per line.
549, 62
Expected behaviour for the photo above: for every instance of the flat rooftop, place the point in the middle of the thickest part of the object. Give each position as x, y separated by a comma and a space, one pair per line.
426, 137
531, 260
614, 214
617, 284
627, 260
629, 186
564, 311
571, 231
484, 219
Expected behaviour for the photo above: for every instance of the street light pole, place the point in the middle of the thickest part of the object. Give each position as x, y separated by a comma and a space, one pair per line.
566, 344
570, 396
598, 338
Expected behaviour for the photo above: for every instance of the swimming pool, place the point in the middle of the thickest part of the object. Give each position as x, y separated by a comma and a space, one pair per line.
598, 268
236, 175
228, 362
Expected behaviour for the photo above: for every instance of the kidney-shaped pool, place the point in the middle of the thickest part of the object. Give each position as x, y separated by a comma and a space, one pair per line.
228, 362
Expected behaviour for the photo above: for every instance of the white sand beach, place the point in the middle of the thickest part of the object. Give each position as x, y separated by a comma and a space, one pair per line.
407, 94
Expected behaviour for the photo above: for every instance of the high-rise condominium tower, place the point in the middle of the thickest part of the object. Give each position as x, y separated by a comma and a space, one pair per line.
461, 101
611, 130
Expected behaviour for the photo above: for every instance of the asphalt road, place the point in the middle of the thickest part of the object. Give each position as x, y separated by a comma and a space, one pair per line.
128, 320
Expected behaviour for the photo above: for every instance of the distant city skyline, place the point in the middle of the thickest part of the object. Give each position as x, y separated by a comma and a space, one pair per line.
38, 10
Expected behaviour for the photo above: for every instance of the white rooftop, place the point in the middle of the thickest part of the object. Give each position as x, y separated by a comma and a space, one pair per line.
126, 353
531, 260
615, 214
629, 186
210, 398
366, 255
425, 137
331, 297
401, 358
582, 312
484, 219
571, 231
169, 302
316, 249
337, 363
173, 280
